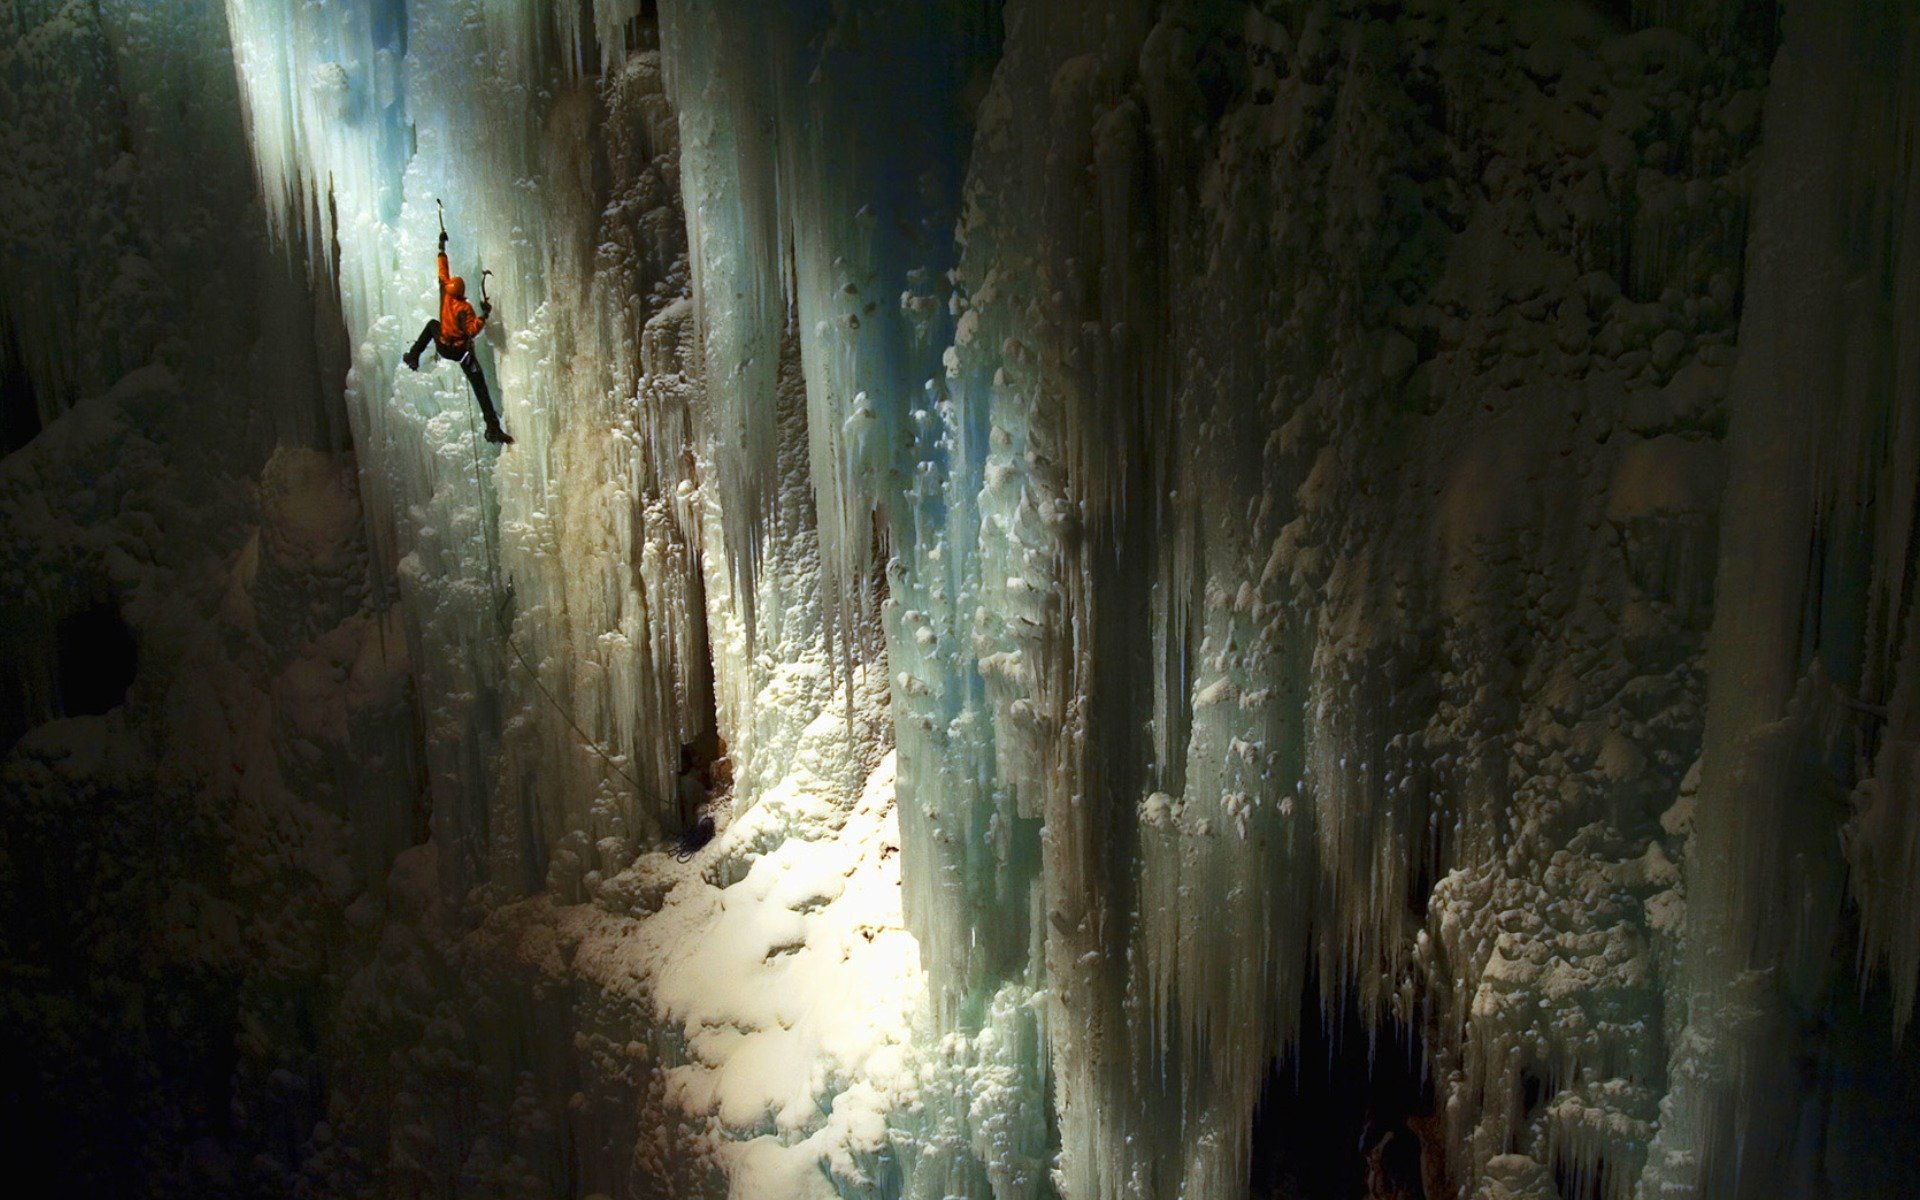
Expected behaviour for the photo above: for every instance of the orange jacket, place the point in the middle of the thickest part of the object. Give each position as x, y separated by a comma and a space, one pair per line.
458, 322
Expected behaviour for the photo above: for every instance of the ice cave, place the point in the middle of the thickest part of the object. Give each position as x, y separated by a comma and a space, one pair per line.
1067, 599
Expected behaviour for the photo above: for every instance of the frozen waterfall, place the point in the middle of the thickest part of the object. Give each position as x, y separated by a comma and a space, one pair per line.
1276, 599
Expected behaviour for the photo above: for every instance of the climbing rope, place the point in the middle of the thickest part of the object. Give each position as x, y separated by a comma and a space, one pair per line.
499, 610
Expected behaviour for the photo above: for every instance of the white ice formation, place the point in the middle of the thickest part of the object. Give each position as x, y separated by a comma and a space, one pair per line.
1204, 530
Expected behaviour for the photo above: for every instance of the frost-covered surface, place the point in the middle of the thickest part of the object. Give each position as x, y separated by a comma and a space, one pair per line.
766, 1014
1189, 519
172, 862
1303, 561
325, 676
563, 599
1806, 770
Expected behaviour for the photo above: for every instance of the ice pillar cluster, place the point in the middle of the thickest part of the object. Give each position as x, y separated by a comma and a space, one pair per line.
1215, 539
1302, 568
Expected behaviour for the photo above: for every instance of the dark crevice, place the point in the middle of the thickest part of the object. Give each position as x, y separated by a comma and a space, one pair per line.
96, 658
704, 770
1534, 1092
1348, 1111
1590, 1181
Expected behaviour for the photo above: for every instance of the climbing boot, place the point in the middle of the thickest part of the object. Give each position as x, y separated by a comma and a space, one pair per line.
412, 359
498, 436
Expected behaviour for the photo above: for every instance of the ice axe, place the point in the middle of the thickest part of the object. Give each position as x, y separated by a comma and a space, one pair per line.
442, 210
484, 272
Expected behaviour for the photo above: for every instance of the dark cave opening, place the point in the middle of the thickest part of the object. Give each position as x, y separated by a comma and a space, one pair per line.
1348, 1112
97, 659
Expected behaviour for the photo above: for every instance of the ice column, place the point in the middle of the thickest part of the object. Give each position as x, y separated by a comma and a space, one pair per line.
1812, 652
825, 150
553, 595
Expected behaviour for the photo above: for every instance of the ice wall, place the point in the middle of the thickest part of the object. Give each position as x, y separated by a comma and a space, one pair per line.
824, 157
106, 104
1455, 369
553, 596
1342, 512
579, 609
183, 518
1325, 482
1805, 771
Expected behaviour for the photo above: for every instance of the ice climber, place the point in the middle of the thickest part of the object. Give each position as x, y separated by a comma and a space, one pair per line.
452, 335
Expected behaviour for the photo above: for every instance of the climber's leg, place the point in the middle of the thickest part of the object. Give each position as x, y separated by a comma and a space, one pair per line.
427, 334
470, 363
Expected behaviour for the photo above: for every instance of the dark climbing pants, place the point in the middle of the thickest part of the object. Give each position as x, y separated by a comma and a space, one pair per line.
469, 363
